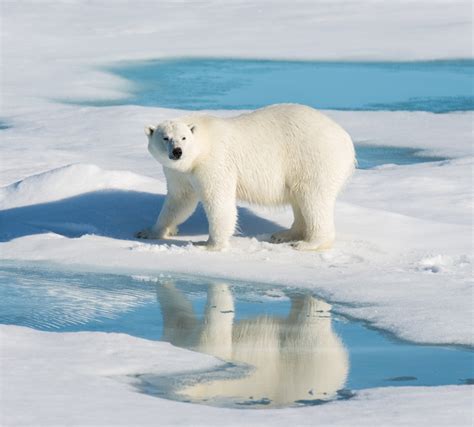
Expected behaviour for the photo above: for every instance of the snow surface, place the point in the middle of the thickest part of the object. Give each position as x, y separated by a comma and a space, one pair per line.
78, 181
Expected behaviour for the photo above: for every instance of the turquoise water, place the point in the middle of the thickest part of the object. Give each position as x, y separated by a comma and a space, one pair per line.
370, 156
287, 334
4, 125
215, 84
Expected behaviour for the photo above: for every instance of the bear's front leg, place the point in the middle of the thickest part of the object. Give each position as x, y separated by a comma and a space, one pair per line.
176, 209
221, 211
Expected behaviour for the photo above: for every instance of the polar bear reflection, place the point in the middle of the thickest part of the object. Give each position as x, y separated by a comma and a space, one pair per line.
295, 358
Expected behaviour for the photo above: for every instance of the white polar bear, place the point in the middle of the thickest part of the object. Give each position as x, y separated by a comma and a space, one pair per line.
277, 155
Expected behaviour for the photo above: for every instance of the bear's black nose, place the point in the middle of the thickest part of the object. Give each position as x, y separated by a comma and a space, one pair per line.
177, 153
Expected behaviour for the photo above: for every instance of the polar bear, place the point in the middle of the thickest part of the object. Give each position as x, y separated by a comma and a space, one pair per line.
277, 155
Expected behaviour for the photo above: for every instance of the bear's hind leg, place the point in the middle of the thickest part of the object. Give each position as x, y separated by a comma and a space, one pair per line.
318, 212
296, 232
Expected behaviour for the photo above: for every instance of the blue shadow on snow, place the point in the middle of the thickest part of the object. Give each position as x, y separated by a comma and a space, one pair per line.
112, 213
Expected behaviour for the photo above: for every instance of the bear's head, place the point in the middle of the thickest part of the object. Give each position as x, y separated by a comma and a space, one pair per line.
173, 144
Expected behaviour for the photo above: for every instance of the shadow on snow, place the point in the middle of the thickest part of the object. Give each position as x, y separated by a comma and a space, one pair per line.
111, 213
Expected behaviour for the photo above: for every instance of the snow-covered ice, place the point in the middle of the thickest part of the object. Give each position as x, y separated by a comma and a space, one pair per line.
78, 181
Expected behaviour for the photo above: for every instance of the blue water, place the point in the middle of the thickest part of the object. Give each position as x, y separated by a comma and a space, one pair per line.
178, 308
370, 156
204, 83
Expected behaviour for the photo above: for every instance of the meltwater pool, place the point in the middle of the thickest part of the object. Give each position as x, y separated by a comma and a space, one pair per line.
232, 84
279, 346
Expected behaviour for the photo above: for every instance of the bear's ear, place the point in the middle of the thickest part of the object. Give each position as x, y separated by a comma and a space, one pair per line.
149, 130
192, 128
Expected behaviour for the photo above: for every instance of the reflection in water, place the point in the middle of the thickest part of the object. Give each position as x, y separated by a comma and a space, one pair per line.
290, 342
294, 358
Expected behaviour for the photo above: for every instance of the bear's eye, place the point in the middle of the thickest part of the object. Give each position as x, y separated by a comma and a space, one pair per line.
165, 138
183, 138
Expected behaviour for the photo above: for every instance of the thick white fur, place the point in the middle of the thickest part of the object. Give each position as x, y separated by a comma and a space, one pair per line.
297, 357
278, 155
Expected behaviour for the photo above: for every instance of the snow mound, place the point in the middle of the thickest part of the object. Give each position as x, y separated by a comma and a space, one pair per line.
68, 181
444, 263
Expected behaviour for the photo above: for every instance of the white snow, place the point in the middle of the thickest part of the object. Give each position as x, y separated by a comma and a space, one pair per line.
79, 178
78, 181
